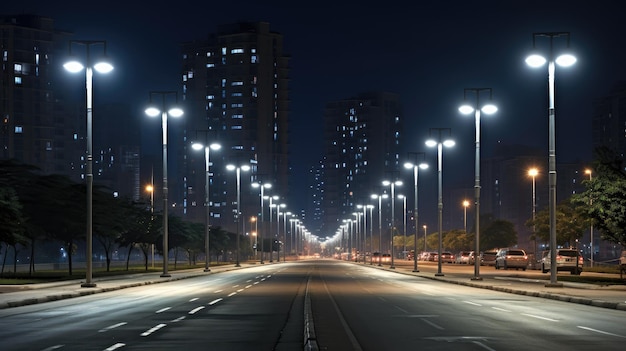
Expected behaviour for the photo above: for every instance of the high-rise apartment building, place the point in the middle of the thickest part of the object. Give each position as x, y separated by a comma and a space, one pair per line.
609, 120
362, 144
34, 129
235, 89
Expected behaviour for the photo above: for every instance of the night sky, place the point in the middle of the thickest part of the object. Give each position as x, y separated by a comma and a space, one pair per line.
426, 51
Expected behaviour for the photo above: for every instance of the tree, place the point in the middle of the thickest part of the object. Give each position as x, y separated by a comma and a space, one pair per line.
570, 224
604, 200
498, 233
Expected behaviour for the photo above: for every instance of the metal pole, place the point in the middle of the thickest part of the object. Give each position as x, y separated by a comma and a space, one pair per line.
165, 206
415, 175
238, 212
477, 195
89, 176
206, 209
439, 205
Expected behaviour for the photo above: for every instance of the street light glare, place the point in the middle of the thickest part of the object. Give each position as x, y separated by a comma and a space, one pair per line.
449, 143
431, 143
197, 146
489, 109
152, 111
466, 109
535, 60
73, 66
175, 112
103, 67
566, 60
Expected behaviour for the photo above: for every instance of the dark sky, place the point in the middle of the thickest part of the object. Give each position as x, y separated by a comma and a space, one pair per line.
426, 51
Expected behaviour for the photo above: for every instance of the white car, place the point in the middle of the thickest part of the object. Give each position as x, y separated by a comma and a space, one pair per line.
566, 260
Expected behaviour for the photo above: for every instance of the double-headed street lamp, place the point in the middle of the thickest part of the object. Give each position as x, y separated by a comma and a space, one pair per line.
207, 204
275, 197
262, 186
380, 224
564, 60
487, 108
153, 111
238, 168
102, 66
416, 166
393, 214
440, 142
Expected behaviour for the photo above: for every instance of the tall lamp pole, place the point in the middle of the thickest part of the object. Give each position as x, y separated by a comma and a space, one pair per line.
488, 109
439, 142
207, 204
565, 60
75, 66
380, 225
393, 214
533, 172
238, 169
262, 186
153, 111
588, 171
416, 166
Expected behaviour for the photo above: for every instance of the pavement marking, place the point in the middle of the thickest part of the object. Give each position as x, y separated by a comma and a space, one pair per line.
53, 347
163, 309
218, 291
115, 346
239, 290
431, 323
153, 329
178, 319
400, 309
248, 286
472, 303
215, 301
601, 332
111, 327
194, 299
232, 293
500, 309
539, 317
196, 310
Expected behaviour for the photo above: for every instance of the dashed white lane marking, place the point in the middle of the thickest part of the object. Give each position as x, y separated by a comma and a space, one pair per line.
53, 347
500, 309
163, 309
215, 301
115, 346
472, 303
540, 317
111, 327
432, 324
196, 310
194, 299
218, 291
601, 332
247, 286
232, 293
178, 319
153, 329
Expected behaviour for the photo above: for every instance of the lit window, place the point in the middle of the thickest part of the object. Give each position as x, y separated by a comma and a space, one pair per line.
237, 94
253, 59
210, 65
236, 128
238, 116
18, 80
17, 68
18, 129
236, 51
210, 97
209, 54
223, 51
238, 83
190, 74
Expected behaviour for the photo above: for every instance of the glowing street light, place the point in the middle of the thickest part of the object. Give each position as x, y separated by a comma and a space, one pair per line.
565, 60
238, 168
102, 66
439, 142
533, 172
488, 109
588, 171
174, 111
207, 204
415, 166
262, 186
393, 218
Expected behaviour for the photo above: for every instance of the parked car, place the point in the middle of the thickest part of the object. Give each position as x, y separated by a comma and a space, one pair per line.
386, 257
447, 257
488, 258
566, 260
375, 257
465, 257
432, 256
512, 258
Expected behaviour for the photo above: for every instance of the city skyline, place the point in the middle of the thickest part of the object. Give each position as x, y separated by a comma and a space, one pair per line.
427, 55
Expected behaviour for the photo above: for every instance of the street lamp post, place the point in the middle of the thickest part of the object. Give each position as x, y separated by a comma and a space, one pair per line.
255, 233
207, 204
275, 197
400, 196
533, 172
285, 214
371, 207
278, 206
588, 171
393, 219
565, 60
238, 169
440, 143
468, 109
262, 186
150, 189
102, 66
380, 225
465, 205
415, 166
153, 111
425, 227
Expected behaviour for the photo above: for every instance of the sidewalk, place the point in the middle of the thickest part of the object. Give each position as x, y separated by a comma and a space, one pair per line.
612, 296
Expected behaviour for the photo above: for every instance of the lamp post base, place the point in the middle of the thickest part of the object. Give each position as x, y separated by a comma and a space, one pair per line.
88, 285
438, 274
477, 278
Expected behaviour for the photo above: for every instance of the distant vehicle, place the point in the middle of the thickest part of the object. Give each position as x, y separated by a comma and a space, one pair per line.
376, 257
465, 257
410, 255
447, 257
511, 258
488, 258
432, 256
386, 257
566, 260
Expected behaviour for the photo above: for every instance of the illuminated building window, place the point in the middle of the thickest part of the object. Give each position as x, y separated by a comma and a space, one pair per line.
236, 51
18, 80
17, 68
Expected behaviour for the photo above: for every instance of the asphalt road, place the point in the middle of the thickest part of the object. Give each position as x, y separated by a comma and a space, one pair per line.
346, 306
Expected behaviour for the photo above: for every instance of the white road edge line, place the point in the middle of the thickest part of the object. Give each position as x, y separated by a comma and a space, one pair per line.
600, 331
